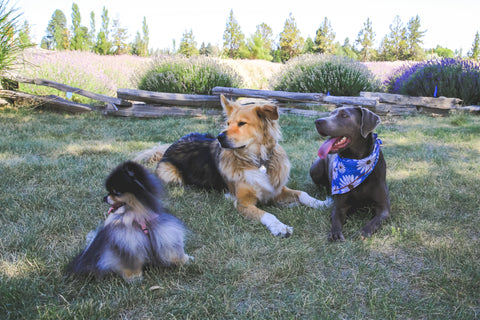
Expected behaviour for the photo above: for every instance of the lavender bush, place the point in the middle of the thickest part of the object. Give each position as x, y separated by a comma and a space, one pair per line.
454, 78
339, 76
85, 70
198, 75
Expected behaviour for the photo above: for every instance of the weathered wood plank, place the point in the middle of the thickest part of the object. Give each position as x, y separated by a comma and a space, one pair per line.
356, 101
398, 99
51, 101
267, 94
154, 111
471, 109
82, 92
174, 99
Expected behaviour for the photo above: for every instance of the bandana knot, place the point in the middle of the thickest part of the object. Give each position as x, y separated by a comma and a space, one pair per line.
350, 173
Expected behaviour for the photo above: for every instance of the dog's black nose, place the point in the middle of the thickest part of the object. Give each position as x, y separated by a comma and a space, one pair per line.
105, 199
222, 138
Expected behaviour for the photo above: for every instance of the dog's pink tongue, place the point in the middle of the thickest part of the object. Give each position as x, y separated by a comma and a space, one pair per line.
326, 147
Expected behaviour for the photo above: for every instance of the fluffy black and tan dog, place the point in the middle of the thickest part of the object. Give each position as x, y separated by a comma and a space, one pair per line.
245, 159
137, 231
351, 165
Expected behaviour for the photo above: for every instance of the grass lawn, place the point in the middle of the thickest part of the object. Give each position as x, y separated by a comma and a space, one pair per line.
423, 263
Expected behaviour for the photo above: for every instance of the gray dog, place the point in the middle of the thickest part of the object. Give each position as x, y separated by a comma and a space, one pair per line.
351, 165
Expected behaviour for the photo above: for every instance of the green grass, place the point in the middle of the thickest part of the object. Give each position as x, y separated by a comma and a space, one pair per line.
422, 264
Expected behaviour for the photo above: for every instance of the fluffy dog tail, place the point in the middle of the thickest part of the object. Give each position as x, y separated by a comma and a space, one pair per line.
152, 155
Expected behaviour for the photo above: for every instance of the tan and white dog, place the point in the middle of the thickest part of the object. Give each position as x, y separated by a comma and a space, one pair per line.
245, 159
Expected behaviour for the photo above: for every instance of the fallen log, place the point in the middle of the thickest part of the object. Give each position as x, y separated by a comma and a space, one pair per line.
51, 101
174, 99
267, 94
429, 102
62, 87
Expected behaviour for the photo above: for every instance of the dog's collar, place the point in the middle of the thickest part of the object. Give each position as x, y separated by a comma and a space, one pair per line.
347, 174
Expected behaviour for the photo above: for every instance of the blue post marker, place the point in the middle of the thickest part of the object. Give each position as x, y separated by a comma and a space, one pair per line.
435, 92
69, 95
328, 93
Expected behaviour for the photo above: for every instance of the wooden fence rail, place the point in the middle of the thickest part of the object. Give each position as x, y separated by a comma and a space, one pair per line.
158, 104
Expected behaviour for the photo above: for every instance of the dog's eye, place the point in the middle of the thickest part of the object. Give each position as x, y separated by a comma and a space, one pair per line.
241, 123
115, 193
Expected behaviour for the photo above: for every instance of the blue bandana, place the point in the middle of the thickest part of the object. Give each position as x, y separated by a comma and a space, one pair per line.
350, 173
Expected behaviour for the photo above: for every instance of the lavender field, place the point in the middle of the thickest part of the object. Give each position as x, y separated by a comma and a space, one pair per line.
104, 74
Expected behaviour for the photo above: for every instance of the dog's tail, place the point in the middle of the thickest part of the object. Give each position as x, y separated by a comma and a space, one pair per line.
152, 155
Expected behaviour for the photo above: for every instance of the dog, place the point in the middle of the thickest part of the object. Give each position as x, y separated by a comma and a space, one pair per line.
245, 160
352, 143
137, 231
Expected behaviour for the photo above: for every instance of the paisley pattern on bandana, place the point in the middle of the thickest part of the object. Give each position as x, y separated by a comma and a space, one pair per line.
350, 173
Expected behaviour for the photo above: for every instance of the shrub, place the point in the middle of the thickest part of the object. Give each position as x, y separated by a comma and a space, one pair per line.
448, 77
10, 44
197, 75
340, 76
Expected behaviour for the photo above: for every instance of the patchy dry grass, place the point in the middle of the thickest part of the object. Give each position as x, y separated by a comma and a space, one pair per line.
422, 264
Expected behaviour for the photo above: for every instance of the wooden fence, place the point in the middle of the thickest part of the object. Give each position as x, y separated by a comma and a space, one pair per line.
140, 103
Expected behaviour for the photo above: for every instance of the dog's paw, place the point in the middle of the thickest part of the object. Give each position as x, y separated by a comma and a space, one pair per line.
336, 236
314, 203
276, 227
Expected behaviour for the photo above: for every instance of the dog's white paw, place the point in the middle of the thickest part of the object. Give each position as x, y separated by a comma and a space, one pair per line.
276, 227
314, 203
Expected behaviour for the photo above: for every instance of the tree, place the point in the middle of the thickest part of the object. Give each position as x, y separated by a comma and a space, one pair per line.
146, 37
346, 50
79, 40
443, 52
324, 38
57, 33
104, 45
188, 46
119, 38
24, 35
475, 51
91, 34
394, 45
259, 46
233, 38
414, 39
309, 46
290, 42
365, 40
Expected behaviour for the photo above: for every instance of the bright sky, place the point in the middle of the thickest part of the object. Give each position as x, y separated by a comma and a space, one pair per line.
448, 23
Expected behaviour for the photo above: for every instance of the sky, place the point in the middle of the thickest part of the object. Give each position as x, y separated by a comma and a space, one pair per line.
448, 23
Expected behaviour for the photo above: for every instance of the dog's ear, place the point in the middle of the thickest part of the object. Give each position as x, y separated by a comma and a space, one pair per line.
227, 105
369, 122
268, 111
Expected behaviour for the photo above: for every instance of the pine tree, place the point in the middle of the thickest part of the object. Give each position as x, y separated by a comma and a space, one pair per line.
365, 40
475, 51
91, 34
414, 39
290, 42
56, 32
25, 36
188, 46
309, 46
79, 40
104, 45
324, 39
233, 38
394, 45
260, 44
119, 38
146, 38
